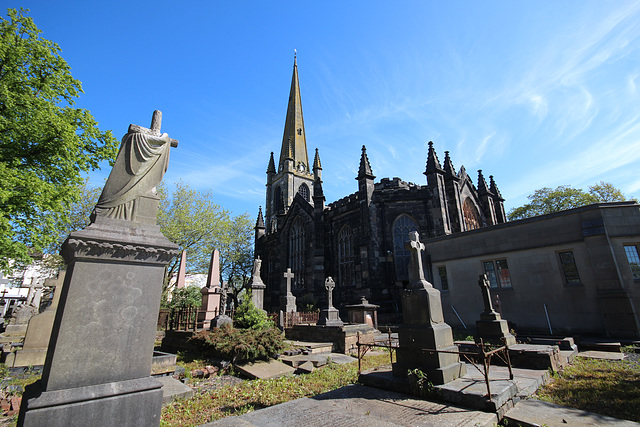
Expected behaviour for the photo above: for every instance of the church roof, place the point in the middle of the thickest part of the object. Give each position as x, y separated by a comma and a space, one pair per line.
294, 142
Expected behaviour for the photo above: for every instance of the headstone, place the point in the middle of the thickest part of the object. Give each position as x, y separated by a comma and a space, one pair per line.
424, 327
363, 313
97, 369
210, 307
491, 327
256, 285
36, 341
330, 315
288, 301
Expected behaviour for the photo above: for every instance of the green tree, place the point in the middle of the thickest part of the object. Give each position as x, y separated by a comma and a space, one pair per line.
248, 316
548, 200
236, 254
190, 219
46, 145
189, 296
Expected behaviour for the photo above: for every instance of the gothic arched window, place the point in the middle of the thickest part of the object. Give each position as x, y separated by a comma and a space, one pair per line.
471, 216
345, 257
304, 191
278, 202
296, 252
401, 256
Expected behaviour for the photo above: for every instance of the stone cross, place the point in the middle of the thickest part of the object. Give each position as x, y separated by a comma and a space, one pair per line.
486, 294
289, 276
329, 285
416, 273
156, 124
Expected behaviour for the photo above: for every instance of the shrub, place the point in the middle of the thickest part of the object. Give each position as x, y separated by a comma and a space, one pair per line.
237, 345
248, 316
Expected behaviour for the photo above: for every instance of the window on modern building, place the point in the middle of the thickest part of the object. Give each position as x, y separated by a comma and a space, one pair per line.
296, 252
444, 282
498, 273
345, 257
401, 256
569, 268
634, 260
304, 191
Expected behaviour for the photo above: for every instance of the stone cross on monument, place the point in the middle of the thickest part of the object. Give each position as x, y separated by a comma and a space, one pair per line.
288, 275
288, 300
491, 327
486, 294
416, 271
330, 315
329, 285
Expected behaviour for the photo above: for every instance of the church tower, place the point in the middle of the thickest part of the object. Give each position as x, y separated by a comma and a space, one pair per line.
294, 175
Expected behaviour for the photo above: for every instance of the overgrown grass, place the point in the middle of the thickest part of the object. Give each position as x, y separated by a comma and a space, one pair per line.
604, 387
250, 395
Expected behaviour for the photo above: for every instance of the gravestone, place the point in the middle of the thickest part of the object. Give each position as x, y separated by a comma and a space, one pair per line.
256, 285
491, 327
36, 341
424, 327
288, 301
330, 315
97, 369
222, 319
211, 293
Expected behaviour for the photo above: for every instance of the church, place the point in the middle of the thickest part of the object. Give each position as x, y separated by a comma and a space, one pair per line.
359, 239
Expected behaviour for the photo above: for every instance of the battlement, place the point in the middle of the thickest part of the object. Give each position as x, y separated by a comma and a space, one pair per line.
395, 184
345, 203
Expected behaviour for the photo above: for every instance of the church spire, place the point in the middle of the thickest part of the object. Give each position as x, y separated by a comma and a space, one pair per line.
433, 164
272, 166
482, 184
494, 188
317, 167
365, 168
449, 170
294, 142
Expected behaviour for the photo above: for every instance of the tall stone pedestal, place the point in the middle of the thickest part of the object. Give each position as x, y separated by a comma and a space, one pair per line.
210, 307
424, 328
257, 294
494, 330
330, 317
97, 367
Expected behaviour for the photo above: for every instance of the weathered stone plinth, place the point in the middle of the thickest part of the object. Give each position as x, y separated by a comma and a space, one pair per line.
257, 294
494, 330
424, 328
288, 303
330, 317
98, 363
210, 307
343, 338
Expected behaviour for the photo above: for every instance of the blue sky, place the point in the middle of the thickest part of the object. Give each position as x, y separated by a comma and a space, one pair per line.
537, 94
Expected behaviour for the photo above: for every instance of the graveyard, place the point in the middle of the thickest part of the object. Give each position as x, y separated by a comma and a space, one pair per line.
396, 304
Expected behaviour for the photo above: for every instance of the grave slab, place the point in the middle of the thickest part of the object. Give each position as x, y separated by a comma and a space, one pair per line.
318, 360
360, 405
533, 412
604, 355
265, 370
173, 389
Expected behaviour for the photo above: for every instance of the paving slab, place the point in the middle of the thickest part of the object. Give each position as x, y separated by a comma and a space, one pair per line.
533, 412
173, 389
604, 355
360, 405
265, 370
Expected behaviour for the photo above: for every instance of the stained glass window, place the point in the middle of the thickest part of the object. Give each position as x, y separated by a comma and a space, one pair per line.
345, 257
401, 256
296, 252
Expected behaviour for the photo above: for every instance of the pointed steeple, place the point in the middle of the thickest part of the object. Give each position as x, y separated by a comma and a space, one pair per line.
433, 164
294, 142
482, 184
317, 167
260, 220
494, 188
449, 170
272, 166
365, 168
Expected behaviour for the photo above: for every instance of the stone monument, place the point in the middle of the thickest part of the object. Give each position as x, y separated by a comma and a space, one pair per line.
182, 271
288, 301
256, 285
97, 367
424, 327
330, 315
491, 327
210, 307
